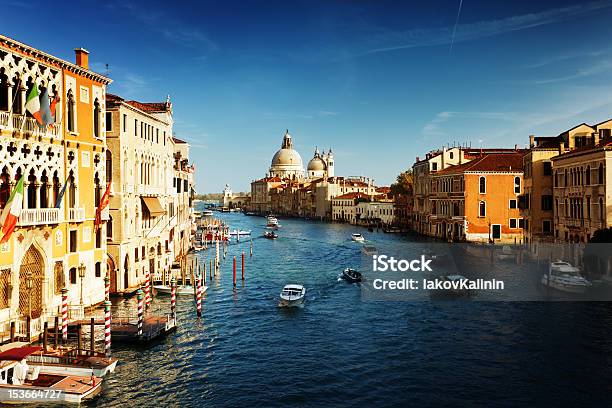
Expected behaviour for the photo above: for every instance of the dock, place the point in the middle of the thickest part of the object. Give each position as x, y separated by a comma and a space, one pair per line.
125, 330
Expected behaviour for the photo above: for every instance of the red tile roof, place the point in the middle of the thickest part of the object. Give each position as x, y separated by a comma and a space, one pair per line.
352, 195
150, 107
500, 162
178, 141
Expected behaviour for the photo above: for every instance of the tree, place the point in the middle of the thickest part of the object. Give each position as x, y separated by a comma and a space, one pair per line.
602, 236
403, 183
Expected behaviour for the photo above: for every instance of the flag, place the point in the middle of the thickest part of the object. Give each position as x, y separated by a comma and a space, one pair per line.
45, 108
53, 106
60, 196
103, 204
11, 212
33, 104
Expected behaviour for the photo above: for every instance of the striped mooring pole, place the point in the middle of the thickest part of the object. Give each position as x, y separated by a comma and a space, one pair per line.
107, 327
64, 315
199, 297
147, 292
234, 270
106, 287
173, 296
140, 311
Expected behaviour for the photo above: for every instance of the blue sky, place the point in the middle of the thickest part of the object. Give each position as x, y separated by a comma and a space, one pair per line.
377, 81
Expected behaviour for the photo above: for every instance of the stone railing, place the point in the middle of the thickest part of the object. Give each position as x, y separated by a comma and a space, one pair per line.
39, 216
76, 214
23, 124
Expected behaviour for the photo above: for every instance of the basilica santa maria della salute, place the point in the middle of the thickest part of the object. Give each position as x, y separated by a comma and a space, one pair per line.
287, 163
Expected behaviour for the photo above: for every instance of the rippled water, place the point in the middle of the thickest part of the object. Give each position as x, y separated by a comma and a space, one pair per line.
340, 350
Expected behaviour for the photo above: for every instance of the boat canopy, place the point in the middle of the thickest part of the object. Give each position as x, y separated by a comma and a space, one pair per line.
19, 353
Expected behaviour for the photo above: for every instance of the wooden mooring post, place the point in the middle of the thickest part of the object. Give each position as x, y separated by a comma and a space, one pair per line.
92, 337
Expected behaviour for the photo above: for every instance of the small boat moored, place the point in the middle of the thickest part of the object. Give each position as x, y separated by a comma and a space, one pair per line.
357, 237
292, 295
181, 290
351, 275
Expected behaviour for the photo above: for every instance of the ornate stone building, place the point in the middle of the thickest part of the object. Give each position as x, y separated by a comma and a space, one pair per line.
55, 244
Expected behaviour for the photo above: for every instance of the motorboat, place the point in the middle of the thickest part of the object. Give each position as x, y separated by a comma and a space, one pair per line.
19, 379
207, 213
181, 290
369, 250
351, 275
357, 237
272, 221
292, 295
565, 277
270, 235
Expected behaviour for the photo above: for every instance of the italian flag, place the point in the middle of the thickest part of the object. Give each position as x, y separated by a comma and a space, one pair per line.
11, 212
33, 104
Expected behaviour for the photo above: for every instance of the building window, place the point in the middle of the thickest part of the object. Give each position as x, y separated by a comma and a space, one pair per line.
547, 168
517, 185
512, 204
601, 210
96, 118
124, 122
135, 127
434, 166
109, 166
98, 269
109, 228
482, 185
73, 276
5, 288
600, 174
482, 209
521, 223
547, 201
99, 238
450, 155
70, 112
72, 241
109, 121
546, 227
513, 223
588, 175
588, 207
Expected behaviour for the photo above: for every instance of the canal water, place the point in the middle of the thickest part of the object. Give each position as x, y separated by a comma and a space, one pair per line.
343, 350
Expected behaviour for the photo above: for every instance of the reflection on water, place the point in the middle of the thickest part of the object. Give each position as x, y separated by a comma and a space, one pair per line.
340, 350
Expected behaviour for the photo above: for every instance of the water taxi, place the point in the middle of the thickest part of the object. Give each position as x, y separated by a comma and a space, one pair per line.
270, 235
22, 383
351, 275
292, 295
565, 277
207, 213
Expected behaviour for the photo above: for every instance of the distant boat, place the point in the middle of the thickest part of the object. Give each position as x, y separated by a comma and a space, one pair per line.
240, 232
357, 237
270, 235
207, 213
351, 275
369, 250
292, 295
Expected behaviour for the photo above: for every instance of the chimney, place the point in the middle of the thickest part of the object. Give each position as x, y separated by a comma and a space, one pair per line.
561, 147
531, 141
516, 147
82, 57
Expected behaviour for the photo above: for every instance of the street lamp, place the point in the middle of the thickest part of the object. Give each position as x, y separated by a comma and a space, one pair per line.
82, 276
28, 282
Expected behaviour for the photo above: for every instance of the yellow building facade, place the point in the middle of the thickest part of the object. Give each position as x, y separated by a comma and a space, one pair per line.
55, 244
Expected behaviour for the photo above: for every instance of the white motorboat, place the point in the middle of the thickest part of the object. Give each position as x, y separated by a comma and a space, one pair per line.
272, 221
207, 213
181, 290
24, 383
565, 277
357, 237
292, 295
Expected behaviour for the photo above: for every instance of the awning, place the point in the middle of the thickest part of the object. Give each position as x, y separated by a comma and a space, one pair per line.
154, 206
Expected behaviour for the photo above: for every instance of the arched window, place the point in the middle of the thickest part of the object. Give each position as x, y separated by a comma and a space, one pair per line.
71, 191
5, 187
96, 119
17, 99
55, 188
73, 276
482, 209
565, 178
32, 181
588, 175
602, 211
482, 185
4, 89
70, 112
600, 174
44, 190
566, 208
109, 166
96, 190
109, 228
517, 185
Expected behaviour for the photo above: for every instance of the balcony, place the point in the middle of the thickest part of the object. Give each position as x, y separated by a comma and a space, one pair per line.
39, 216
22, 124
76, 214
